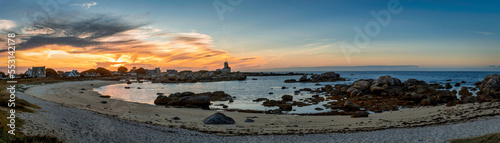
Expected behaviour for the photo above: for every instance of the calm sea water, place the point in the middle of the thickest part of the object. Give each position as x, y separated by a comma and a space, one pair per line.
246, 91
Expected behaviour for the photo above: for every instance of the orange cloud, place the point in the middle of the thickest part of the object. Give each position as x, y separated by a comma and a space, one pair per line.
111, 42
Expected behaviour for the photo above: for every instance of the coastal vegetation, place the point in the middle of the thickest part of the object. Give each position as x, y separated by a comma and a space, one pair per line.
489, 138
21, 106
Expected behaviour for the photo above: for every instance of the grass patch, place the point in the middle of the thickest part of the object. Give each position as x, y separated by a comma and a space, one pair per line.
488, 138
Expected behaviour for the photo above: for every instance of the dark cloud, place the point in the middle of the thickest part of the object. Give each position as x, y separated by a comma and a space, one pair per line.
37, 41
77, 32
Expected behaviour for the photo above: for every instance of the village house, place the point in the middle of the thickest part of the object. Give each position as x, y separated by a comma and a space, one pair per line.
153, 73
116, 73
36, 72
91, 74
73, 73
132, 71
171, 72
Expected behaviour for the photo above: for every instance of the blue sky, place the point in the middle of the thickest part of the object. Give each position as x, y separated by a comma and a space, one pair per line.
300, 33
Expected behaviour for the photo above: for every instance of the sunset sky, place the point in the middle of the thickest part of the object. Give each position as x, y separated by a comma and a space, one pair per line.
252, 34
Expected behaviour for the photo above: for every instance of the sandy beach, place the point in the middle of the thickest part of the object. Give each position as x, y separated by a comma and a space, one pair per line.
80, 95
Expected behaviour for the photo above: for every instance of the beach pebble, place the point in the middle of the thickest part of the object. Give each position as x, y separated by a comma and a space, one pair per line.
359, 114
104, 102
176, 118
218, 118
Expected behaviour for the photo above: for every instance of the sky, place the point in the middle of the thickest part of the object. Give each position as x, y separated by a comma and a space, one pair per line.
253, 35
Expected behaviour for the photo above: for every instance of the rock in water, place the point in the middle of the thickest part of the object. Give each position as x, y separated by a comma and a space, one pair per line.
287, 98
359, 114
218, 118
448, 86
290, 81
303, 78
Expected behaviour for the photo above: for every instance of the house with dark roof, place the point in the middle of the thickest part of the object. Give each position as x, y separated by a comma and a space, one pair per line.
36, 72
73, 73
153, 73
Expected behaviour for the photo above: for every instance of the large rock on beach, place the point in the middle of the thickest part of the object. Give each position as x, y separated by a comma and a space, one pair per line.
219, 118
489, 89
192, 102
162, 100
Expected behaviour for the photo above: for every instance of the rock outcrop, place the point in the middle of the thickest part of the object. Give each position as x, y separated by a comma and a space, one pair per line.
324, 77
192, 100
199, 77
489, 88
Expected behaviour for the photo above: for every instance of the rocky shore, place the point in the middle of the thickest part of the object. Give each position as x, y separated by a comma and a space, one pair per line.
192, 77
387, 94
271, 74
324, 77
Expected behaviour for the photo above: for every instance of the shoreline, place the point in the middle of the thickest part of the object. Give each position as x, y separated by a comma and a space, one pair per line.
68, 94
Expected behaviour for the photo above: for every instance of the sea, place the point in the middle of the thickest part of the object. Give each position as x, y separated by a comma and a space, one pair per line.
248, 90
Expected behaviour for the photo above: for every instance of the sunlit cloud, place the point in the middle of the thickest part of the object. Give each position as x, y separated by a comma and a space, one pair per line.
86, 5
6, 24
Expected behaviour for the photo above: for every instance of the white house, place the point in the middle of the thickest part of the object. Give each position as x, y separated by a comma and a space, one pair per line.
36, 72
132, 71
73, 73
91, 74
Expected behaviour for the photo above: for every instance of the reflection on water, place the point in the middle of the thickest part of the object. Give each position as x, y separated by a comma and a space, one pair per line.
248, 90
